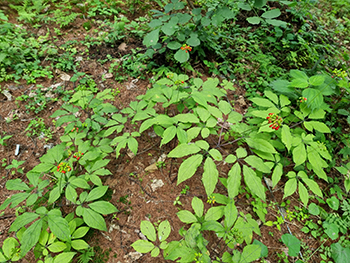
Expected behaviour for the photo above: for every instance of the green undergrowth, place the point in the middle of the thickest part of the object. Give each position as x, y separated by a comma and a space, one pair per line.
294, 134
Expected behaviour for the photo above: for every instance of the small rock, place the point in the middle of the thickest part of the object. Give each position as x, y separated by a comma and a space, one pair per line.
132, 257
132, 84
122, 47
7, 94
241, 101
108, 75
79, 58
152, 134
162, 158
269, 182
156, 184
65, 77
151, 168
130, 154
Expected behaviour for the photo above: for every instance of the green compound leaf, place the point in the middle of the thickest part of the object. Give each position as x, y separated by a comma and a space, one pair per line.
250, 253
184, 149
231, 214
164, 230
94, 220
287, 137
198, 206
253, 182
57, 247
182, 56
292, 243
148, 230
299, 154
23, 220
189, 167
254, 20
290, 187
168, 135
263, 102
31, 236
187, 217
97, 193
58, 225
303, 193
214, 213
261, 145
277, 174
80, 232
174, 45
210, 176
233, 181
317, 80
142, 246
103, 207
151, 38
271, 13
79, 244
64, 257
257, 163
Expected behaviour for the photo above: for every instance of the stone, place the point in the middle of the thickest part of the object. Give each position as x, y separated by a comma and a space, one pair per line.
156, 184
151, 168
7, 95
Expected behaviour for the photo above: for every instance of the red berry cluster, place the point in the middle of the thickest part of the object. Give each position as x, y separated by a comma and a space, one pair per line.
186, 48
78, 155
302, 99
75, 129
63, 168
275, 121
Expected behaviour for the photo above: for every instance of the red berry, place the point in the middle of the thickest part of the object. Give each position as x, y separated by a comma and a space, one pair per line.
277, 128
271, 126
64, 172
78, 158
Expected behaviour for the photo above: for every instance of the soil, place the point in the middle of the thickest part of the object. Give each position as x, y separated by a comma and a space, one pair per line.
130, 184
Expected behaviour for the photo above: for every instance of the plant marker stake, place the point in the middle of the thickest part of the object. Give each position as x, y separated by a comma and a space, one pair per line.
17, 149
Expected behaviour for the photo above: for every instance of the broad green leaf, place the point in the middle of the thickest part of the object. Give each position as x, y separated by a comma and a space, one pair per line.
292, 243
213, 226
241, 152
148, 230
205, 132
277, 174
303, 193
168, 135
290, 187
9, 247
276, 22
272, 96
299, 83
250, 253
234, 180
259, 3
286, 136
340, 254
133, 145
164, 230
284, 101
202, 144
155, 252
254, 20
181, 56
57, 247
173, 45
215, 154
94, 220
271, 13
151, 38
142, 246
103, 207
97, 193
181, 135
30, 237
261, 145
186, 217
225, 107
230, 158
231, 214
314, 97
297, 74
189, 167
253, 182
187, 118
198, 206
299, 154
71, 194
214, 213
184, 149
16, 184
80, 232
317, 80
169, 28
314, 187
333, 203
331, 229
79, 244
314, 209
257, 163
193, 41
23, 220
210, 176
319, 126
262, 102
64, 257
264, 250
58, 225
